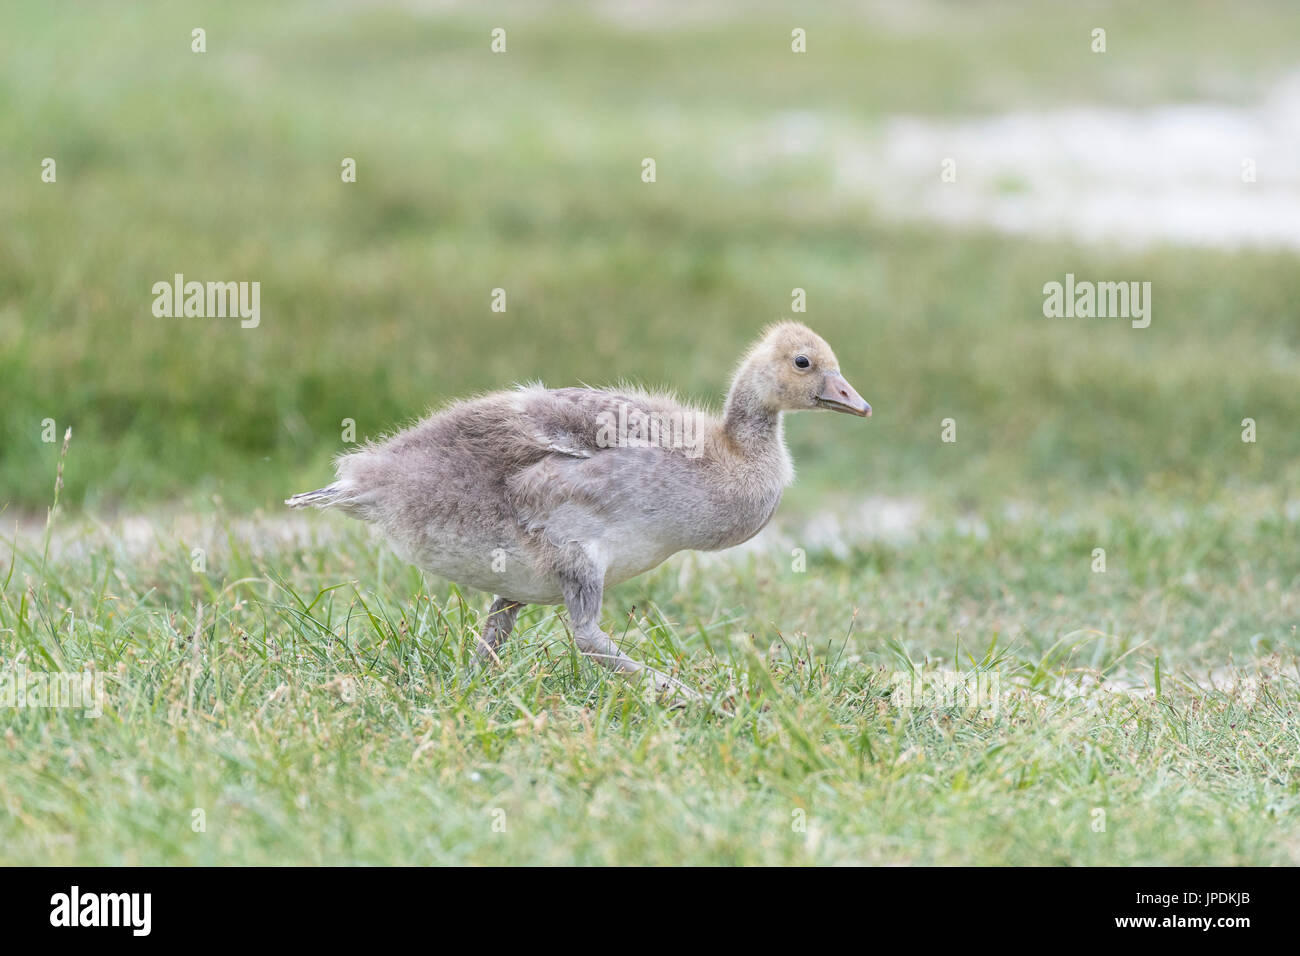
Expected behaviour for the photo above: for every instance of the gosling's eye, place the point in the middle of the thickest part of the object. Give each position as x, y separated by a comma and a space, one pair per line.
801, 361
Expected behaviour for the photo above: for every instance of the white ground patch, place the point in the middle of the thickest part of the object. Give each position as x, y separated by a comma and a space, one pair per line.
896, 521
150, 538
877, 518
1134, 177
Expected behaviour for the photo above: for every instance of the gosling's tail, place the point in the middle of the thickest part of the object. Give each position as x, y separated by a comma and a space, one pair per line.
320, 498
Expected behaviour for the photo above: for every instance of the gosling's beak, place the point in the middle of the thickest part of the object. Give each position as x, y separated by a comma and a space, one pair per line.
839, 396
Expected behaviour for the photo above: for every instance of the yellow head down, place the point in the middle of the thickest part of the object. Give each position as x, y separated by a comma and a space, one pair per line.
791, 368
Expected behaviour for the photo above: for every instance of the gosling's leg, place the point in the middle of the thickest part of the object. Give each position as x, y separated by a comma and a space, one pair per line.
582, 596
500, 622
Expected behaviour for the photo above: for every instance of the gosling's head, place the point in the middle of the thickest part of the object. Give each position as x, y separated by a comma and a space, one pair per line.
792, 369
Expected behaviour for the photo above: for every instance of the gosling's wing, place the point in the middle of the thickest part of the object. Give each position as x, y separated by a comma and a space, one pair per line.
581, 422
590, 471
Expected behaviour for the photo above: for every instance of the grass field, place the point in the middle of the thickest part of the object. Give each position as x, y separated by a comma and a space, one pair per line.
309, 693
319, 710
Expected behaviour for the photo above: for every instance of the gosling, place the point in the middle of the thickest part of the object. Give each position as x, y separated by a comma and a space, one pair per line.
550, 496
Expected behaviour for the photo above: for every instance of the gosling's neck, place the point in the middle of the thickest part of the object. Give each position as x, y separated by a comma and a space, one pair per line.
748, 424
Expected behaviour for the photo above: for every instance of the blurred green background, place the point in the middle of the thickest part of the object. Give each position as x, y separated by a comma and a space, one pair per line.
311, 692
522, 171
